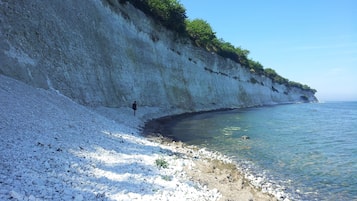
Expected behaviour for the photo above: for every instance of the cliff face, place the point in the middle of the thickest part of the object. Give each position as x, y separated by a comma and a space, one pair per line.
109, 54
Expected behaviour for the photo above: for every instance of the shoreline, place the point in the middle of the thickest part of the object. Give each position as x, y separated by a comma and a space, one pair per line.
211, 169
214, 171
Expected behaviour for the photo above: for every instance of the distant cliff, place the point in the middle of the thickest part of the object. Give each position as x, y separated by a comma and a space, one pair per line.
112, 54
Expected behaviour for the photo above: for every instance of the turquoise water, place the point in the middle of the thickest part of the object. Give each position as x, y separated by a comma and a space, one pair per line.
309, 151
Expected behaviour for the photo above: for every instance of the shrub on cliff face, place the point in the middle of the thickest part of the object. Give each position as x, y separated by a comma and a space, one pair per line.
202, 34
227, 50
169, 12
200, 31
256, 66
275, 76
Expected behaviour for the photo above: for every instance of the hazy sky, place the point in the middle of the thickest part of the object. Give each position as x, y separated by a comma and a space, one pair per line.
313, 42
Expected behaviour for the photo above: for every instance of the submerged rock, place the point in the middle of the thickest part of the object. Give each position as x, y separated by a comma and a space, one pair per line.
244, 137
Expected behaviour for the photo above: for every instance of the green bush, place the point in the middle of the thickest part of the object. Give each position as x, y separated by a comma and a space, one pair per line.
166, 177
170, 13
161, 163
200, 31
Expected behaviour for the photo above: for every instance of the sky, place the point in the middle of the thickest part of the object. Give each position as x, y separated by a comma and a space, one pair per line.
313, 42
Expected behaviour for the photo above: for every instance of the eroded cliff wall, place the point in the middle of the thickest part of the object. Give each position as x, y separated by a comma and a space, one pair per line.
109, 54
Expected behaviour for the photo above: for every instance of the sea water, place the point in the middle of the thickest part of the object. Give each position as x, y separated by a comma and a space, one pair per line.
307, 151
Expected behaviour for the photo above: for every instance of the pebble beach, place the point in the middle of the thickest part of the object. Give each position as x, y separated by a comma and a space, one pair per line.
55, 149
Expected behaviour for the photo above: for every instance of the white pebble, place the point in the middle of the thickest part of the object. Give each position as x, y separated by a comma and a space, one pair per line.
32, 198
78, 198
15, 195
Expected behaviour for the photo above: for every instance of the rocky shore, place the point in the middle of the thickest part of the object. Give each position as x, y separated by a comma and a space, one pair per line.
215, 171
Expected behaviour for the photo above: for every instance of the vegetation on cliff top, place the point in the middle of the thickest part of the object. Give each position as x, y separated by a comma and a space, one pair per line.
172, 15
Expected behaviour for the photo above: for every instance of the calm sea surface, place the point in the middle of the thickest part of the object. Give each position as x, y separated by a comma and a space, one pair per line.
309, 151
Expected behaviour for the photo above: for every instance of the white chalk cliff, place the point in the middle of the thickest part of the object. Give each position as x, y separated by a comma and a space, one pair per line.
103, 54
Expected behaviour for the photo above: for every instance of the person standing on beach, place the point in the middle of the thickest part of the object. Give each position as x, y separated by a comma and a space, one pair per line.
134, 107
